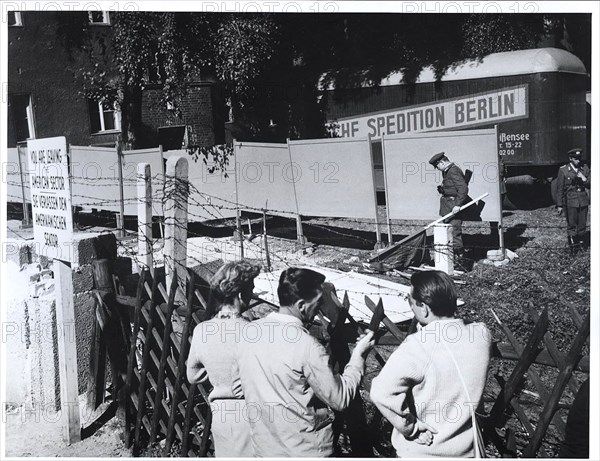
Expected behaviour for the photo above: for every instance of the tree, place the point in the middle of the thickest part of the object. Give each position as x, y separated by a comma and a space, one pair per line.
270, 65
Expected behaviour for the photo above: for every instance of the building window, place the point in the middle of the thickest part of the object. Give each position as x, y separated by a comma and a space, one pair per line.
14, 19
104, 117
99, 17
21, 112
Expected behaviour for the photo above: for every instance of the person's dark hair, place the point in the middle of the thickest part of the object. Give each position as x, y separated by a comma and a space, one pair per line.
296, 284
437, 290
229, 281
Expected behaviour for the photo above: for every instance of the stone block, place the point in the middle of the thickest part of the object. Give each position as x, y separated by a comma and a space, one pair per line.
85, 316
86, 248
83, 279
41, 340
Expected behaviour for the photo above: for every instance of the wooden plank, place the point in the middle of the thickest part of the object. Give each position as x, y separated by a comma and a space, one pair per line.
97, 377
163, 357
521, 367
561, 382
67, 352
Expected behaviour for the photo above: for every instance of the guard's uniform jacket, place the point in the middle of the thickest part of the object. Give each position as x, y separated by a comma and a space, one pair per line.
454, 189
571, 190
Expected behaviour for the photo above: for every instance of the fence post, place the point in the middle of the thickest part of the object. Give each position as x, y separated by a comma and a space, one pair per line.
144, 192
121, 218
387, 195
26, 218
176, 218
443, 255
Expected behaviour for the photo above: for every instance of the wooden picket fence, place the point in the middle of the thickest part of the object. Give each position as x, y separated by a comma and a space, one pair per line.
147, 358
154, 395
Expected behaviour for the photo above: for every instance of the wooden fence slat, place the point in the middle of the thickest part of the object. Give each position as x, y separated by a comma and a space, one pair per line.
523, 364
556, 355
506, 351
143, 378
204, 442
386, 321
187, 425
563, 377
131, 362
163, 357
180, 367
533, 375
199, 296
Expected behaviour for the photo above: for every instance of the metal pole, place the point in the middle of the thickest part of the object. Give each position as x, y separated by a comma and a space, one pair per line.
387, 195
267, 256
238, 224
378, 243
500, 226
121, 223
26, 217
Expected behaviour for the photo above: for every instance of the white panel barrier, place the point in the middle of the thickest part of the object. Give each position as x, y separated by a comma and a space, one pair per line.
131, 158
94, 177
412, 181
11, 175
265, 177
334, 177
212, 192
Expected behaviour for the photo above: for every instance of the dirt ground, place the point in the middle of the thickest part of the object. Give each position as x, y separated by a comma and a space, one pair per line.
544, 274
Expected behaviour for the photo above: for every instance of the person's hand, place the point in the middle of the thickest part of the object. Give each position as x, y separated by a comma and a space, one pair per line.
364, 344
440, 189
559, 210
456, 209
424, 434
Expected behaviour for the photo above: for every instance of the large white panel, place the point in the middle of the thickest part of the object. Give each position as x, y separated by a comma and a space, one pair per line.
334, 177
265, 177
11, 174
94, 177
131, 158
412, 181
212, 193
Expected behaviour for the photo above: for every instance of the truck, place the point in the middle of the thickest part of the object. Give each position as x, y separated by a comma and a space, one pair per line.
538, 98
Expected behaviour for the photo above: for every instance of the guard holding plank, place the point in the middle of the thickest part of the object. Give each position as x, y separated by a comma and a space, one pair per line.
572, 181
454, 190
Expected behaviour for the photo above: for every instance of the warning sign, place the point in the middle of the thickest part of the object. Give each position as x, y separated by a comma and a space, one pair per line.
51, 197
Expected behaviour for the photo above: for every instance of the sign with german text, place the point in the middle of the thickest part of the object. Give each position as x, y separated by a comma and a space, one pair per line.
451, 114
51, 197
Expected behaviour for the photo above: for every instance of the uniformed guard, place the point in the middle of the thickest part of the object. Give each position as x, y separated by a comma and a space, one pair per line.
454, 191
571, 193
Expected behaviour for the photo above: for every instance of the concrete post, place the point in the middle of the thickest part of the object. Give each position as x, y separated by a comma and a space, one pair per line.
144, 193
443, 254
176, 219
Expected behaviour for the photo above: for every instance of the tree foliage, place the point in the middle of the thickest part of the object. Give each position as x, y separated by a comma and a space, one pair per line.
269, 65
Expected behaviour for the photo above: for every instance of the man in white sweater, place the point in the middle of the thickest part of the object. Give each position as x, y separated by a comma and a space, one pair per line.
420, 390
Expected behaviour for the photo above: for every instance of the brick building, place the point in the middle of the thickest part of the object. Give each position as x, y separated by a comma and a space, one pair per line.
46, 61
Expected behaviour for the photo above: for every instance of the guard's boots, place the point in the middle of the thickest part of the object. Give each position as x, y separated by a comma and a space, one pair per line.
583, 243
572, 244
